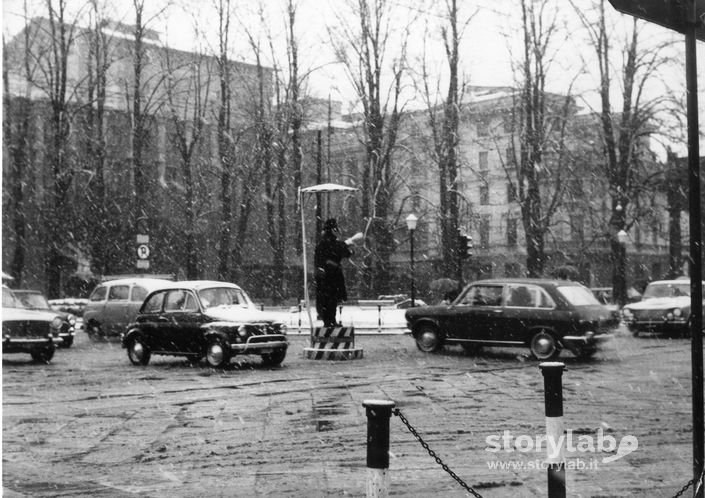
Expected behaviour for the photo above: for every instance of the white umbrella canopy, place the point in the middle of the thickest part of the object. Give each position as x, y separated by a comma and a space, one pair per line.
327, 187
324, 188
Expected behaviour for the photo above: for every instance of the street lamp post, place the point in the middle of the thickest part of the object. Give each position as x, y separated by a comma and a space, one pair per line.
411, 221
620, 278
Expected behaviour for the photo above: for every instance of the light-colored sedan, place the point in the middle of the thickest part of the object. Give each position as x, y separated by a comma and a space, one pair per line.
664, 308
114, 304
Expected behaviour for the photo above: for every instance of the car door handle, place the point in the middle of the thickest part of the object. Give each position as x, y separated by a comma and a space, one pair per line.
162, 319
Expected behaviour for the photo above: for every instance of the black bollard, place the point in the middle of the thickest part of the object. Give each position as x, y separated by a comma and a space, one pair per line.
555, 443
378, 414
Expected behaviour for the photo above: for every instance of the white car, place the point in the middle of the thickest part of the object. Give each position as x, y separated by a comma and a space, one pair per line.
114, 304
664, 308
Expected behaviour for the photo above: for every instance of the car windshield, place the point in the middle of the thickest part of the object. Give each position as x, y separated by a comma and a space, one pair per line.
577, 295
224, 296
32, 300
9, 300
666, 290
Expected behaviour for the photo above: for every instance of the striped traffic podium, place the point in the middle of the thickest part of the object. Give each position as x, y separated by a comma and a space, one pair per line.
333, 343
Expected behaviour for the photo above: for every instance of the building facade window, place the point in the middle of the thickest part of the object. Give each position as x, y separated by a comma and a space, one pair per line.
484, 188
577, 232
485, 232
415, 199
511, 193
483, 127
511, 232
507, 123
482, 160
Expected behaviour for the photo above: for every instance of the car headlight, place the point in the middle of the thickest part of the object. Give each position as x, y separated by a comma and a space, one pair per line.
56, 323
71, 319
242, 331
282, 328
677, 312
627, 313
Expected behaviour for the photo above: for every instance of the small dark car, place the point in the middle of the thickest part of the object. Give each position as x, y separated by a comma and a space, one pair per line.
35, 300
28, 331
204, 318
543, 315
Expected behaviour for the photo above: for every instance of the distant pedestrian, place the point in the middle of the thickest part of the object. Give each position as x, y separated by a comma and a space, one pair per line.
330, 281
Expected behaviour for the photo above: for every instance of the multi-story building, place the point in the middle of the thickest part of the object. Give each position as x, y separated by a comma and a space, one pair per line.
333, 151
578, 234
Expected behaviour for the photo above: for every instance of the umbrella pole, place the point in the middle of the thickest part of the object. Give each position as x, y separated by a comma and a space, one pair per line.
303, 244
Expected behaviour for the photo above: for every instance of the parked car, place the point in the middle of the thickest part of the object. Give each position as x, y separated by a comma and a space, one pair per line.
543, 315
604, 295
664, 308
35, 300
114, 304
401, 301
28, 331
197, 319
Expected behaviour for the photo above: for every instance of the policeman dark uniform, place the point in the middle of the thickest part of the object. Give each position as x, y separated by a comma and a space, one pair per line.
330, 282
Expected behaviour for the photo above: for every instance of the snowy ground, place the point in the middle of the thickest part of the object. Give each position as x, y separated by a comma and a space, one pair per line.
365, 319
92, 425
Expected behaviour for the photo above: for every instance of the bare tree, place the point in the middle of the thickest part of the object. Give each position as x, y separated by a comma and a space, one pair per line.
538, 163
226, 143
16, 136
144, 102
98, 64
629, 177
362, 49
443, 120
57, 36
187, 90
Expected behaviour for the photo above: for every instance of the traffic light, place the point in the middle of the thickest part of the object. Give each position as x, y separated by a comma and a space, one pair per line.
463, 243
464, 246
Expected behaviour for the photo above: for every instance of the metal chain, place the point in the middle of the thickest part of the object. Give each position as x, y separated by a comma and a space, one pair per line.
690, 483
434, 456
475, 493
684, 489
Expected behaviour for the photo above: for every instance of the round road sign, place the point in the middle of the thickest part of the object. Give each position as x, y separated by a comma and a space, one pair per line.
143, 251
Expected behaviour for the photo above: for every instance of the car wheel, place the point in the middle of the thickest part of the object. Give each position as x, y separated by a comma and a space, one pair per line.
544, 346
94, 330
635, 332
275, 358
43, 355
217, 354
68, 342
428, 339
138, 352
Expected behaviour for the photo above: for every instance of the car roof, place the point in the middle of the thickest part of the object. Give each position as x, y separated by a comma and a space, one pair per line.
523, 280
147, 282
197, 285
26, 291
673, 282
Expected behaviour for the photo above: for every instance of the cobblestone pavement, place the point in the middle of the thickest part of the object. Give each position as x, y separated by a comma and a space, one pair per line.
91, 424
